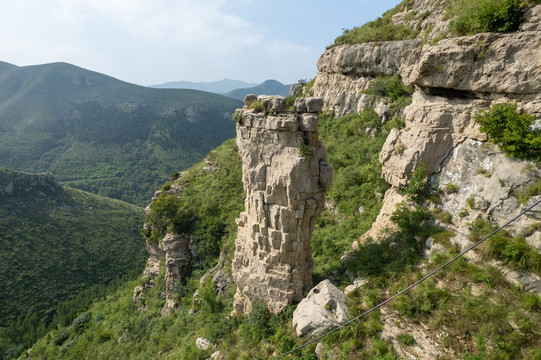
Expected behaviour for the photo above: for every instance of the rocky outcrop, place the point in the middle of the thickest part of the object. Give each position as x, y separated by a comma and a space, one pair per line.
345, 71
485, 63
174, 249
454, 80
285, 176
322, 309
177, 262
426, 342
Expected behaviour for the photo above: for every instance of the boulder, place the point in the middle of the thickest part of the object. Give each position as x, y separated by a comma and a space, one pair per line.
250, 98
322, 309
203, 344
273, 103
222, 282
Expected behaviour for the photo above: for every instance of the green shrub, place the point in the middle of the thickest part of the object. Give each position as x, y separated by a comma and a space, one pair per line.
514, 251
416, 187
61, 336
237, 116
395, 123
406, 339
257, 106
471, 202
472, 17
259, 324
390, 86
421, 300
511, 130
531, 190
304, 149
450, 188
443, 216
81, 321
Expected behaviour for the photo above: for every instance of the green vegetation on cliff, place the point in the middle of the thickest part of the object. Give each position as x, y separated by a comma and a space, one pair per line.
513, 131
472, 17
102, 135
465, 18
381, 29
213, 197
57, 242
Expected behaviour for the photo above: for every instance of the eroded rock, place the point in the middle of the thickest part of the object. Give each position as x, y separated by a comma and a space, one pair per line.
285, 175
322, 309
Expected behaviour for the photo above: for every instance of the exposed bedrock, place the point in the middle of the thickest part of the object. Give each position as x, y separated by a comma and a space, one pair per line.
285, 176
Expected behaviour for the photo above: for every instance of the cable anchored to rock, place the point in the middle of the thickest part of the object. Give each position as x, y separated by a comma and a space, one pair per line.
410, 286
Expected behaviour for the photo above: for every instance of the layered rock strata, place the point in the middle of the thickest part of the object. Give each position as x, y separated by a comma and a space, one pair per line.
285, 176
345, 71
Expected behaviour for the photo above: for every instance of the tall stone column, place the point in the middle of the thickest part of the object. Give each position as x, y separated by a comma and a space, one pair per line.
285, 176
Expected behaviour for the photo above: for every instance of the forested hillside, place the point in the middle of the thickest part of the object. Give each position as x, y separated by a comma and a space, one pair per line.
57, 242
99, 134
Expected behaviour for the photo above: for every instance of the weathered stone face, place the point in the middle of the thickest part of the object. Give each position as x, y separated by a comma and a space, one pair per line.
323, 308
285, 175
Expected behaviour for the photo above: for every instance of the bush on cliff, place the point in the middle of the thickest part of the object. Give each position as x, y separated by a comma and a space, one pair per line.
511, 130
472, 17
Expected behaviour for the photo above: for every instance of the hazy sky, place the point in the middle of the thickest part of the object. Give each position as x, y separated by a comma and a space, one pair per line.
156, 41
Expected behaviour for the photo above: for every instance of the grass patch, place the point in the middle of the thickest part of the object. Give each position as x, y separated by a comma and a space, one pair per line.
512, 250
406, 339
381, 29
531, 190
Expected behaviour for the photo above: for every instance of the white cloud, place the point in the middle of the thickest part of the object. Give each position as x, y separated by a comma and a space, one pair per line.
152, 41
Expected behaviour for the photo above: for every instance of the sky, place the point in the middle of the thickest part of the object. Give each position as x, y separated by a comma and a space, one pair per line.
149, 42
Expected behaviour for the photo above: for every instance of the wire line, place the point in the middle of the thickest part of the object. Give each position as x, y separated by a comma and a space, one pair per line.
411, 286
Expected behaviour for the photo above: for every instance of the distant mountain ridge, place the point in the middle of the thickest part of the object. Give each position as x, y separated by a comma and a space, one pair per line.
269, 87
103, 135
219, 87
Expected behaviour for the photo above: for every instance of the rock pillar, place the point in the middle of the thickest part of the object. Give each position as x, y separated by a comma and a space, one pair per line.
285, 176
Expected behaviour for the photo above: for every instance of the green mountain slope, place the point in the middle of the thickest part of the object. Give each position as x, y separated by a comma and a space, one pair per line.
103, 135
58, 241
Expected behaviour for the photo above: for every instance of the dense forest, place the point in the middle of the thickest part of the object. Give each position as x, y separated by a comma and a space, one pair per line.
102, 135
61, 248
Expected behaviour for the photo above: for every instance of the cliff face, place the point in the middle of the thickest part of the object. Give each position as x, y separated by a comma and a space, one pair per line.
285, 176
453, 80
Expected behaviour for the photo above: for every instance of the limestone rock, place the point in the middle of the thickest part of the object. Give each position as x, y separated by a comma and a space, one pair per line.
357, 283
485, 175
177, 261
285, 175
323, 308
428, 342
250, 98
273, 103
488, 62
310, 105
152, 270
203, 344
222, 282
345, 71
